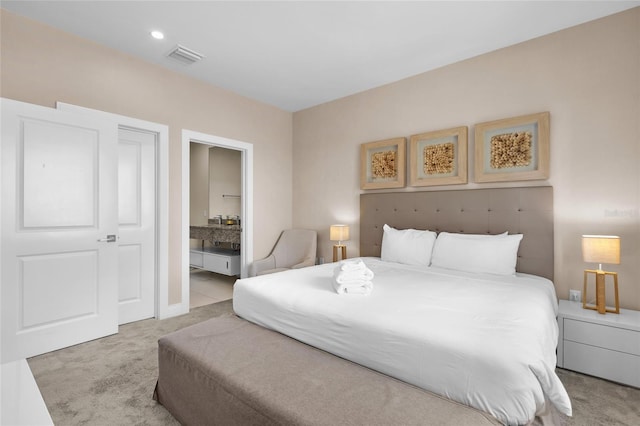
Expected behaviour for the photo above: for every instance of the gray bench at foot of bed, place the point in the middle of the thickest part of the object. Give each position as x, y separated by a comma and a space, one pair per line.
228, 371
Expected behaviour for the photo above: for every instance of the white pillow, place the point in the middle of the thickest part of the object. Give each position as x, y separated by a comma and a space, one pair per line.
408, 246
492, 254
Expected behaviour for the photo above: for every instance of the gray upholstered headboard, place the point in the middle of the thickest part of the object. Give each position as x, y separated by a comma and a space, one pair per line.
527, 211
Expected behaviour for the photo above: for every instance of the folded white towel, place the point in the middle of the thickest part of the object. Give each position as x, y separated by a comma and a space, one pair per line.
364, 287
352, 277
343, 277
352, 265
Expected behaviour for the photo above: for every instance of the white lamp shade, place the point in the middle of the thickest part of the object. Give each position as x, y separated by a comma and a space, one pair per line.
601, 249
339, 233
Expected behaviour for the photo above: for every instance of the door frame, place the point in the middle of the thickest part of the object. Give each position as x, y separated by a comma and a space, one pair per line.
246, 201
162, 307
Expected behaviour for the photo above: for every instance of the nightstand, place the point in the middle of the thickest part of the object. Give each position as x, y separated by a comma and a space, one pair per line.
606, 346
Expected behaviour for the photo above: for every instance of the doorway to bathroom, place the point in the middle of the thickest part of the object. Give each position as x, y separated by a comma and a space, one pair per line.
215, 223
217, 216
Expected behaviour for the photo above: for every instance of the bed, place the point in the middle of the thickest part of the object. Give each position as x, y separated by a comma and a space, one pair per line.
475, 337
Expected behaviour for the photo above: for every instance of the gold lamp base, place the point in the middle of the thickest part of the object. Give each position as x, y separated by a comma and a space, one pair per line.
601, 305
335, 252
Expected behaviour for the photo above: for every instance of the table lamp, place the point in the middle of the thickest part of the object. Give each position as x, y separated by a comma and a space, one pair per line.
339, 233
601, 249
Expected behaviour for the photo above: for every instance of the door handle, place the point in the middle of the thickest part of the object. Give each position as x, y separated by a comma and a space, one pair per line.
110, 239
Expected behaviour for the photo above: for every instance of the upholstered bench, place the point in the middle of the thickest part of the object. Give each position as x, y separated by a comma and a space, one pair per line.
228, 371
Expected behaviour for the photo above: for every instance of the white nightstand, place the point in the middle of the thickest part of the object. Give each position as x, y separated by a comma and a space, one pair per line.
606, 346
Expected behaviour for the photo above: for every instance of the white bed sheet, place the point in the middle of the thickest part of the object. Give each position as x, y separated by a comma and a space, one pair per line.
484, 340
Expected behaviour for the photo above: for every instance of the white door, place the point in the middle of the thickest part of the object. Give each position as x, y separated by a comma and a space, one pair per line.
137, 228
59, 204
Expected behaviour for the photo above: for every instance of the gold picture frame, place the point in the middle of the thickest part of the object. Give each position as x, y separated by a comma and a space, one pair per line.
382, 164
512, 149
438, 158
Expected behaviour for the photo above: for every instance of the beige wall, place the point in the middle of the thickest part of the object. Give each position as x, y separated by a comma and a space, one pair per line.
225, 178
588, 77
198, 183
42, 65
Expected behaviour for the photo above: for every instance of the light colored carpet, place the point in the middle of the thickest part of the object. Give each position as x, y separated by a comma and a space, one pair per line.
110, 381
598, 402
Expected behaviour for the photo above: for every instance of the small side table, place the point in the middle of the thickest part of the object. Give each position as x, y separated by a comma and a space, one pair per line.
606, 346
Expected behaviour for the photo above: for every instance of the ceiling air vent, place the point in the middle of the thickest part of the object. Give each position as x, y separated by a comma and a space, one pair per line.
184, 55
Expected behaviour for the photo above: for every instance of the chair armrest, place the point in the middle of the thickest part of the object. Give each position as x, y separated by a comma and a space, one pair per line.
265, 264
304, 263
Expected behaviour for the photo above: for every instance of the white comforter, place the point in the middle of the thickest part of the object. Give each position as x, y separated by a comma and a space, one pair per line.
484, 340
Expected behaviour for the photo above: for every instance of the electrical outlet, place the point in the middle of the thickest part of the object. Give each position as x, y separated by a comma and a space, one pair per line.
575, 295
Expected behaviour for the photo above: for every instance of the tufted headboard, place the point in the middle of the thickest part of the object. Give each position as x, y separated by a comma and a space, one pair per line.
527, 210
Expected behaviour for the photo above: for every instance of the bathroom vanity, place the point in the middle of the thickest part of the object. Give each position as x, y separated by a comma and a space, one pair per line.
216, 259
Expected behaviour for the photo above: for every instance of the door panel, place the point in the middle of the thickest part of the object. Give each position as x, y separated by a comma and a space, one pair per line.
129, 158
130, 281
137, 224
59, 179
59, 197
46, 281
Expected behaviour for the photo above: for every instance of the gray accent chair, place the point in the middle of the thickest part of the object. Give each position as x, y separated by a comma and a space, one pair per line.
296, 248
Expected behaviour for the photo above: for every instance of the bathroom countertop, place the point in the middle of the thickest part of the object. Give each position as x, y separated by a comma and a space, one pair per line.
219, 233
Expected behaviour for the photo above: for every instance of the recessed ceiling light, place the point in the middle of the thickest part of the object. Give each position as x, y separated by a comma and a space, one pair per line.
157, 35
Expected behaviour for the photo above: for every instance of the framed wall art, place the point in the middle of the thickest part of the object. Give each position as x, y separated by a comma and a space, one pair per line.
512, 149
438, 158
382, 164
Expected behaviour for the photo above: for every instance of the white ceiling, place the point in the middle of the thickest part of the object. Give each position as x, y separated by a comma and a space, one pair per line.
297, 54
